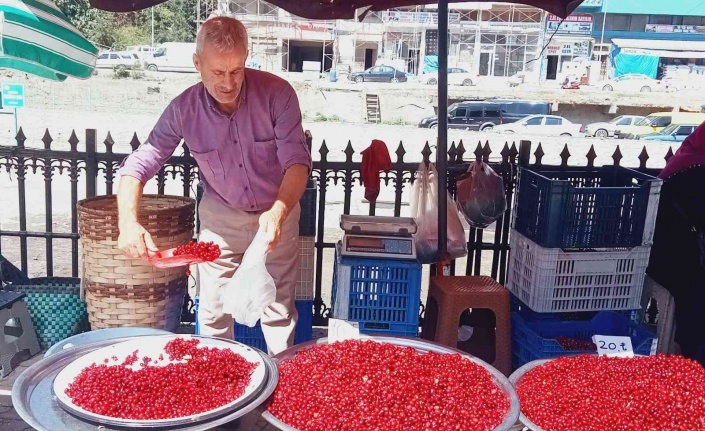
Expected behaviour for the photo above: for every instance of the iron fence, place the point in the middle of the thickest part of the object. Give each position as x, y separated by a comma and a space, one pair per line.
94, 167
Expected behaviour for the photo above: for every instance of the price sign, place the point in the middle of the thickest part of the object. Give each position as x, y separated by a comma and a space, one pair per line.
613, 346
341, 330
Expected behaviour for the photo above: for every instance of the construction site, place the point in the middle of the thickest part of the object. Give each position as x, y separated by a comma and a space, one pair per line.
487, 39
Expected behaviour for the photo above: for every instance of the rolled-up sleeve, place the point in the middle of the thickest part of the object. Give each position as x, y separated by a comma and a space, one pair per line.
148, 158
288, 131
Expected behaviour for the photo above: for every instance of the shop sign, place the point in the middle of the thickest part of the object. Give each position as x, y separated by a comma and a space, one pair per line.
570, 49
576, 24
661, 28
430, 18
314, 26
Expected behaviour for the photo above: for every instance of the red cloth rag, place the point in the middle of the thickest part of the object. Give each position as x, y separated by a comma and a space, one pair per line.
374, 159
691, 153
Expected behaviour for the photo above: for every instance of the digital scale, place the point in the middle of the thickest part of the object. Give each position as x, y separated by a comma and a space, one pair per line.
378, 237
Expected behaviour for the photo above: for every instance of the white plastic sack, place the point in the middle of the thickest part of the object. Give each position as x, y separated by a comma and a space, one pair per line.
252, 289
424, 209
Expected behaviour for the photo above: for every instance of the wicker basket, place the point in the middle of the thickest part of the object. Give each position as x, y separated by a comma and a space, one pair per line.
121, 291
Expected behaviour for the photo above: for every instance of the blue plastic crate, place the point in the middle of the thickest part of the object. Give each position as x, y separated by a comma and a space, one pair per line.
254, 337
383, 295
535, 339
517, 306
586, 208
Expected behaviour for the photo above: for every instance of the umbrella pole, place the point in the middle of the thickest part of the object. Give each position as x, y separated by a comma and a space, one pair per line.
442, 149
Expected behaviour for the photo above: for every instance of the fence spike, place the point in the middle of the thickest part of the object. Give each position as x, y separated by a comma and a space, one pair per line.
539, 154
591, 156
323, 151
461, 152
478, 151
617, 156
349, 151
73, 140
643, 158
20, 138
452, 152
426, 153
135, 142
109, 142
669, 154
47, 139
486, 151
401, 152
513, 151
565, 155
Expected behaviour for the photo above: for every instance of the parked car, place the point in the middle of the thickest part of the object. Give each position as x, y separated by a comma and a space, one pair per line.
379, 74
658, 121
607, 129
485, 115
172, 57
542, 124
109, 60
456, 76
631, 83
672, 133
142, 51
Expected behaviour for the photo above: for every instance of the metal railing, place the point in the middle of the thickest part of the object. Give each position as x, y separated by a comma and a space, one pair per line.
93, 167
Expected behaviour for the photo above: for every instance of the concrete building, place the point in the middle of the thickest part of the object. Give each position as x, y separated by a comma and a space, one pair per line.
490, 39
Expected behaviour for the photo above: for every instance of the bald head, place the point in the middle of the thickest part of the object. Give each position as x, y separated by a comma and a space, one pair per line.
222, 33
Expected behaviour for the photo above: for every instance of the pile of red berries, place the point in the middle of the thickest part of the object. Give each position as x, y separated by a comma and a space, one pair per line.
591, 393
208, 379
576, 344
206, 251
365, 385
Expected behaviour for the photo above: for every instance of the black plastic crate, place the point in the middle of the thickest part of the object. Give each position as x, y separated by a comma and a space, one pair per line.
585, 208
307, 222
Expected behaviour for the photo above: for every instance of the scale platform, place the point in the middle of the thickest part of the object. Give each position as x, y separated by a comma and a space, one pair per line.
378, 237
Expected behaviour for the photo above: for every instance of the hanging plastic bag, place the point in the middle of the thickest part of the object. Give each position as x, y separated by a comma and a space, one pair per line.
251, 290
424, 209
481, 196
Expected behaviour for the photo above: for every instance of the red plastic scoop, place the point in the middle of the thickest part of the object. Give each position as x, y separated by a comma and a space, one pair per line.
166, 259
188, 254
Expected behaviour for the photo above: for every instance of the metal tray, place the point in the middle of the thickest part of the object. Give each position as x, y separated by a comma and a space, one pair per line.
33, 400
378, 225
421, 346
514, 379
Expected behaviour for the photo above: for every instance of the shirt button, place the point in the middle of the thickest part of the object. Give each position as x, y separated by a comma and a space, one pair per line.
252, 206
247, 188
240, 164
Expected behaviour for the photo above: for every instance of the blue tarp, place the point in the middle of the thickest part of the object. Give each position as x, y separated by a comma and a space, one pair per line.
643, 64
430, 64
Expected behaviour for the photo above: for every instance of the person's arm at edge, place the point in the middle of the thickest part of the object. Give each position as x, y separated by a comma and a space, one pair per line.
136, 170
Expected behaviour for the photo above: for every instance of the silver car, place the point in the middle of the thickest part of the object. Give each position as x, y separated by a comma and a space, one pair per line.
607, 129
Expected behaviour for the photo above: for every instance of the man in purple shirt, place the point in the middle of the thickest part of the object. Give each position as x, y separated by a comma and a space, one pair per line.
243, 127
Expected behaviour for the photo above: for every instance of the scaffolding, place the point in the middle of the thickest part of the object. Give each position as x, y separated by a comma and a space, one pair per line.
499, 40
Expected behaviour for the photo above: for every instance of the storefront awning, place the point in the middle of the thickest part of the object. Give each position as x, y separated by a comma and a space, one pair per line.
662, 48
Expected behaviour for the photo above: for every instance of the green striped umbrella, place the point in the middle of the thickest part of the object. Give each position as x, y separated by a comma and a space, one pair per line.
37, 38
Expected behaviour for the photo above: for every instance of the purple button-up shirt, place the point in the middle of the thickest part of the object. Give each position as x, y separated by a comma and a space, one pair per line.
242, 157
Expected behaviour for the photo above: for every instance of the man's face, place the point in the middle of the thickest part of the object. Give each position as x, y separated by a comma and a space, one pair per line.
223, 73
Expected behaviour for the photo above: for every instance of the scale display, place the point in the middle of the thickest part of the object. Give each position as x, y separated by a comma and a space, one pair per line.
378, 246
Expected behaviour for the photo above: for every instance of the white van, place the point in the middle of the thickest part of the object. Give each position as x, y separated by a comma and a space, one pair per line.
172, 57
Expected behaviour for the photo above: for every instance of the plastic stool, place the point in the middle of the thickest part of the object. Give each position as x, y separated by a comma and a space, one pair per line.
450, 297
665, 319
12, 307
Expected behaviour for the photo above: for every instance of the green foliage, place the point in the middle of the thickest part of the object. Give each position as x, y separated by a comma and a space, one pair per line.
323, 118
174, 21
120, 72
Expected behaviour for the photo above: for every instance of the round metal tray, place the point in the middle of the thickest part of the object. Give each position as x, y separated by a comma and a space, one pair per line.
102, 334
421, 346
153, 349
514, 379
34, 402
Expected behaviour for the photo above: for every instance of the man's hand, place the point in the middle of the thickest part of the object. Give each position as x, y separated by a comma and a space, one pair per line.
135, 241
270, 222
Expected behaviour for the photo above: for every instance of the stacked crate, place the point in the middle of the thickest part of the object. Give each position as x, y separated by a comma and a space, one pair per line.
580, 243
